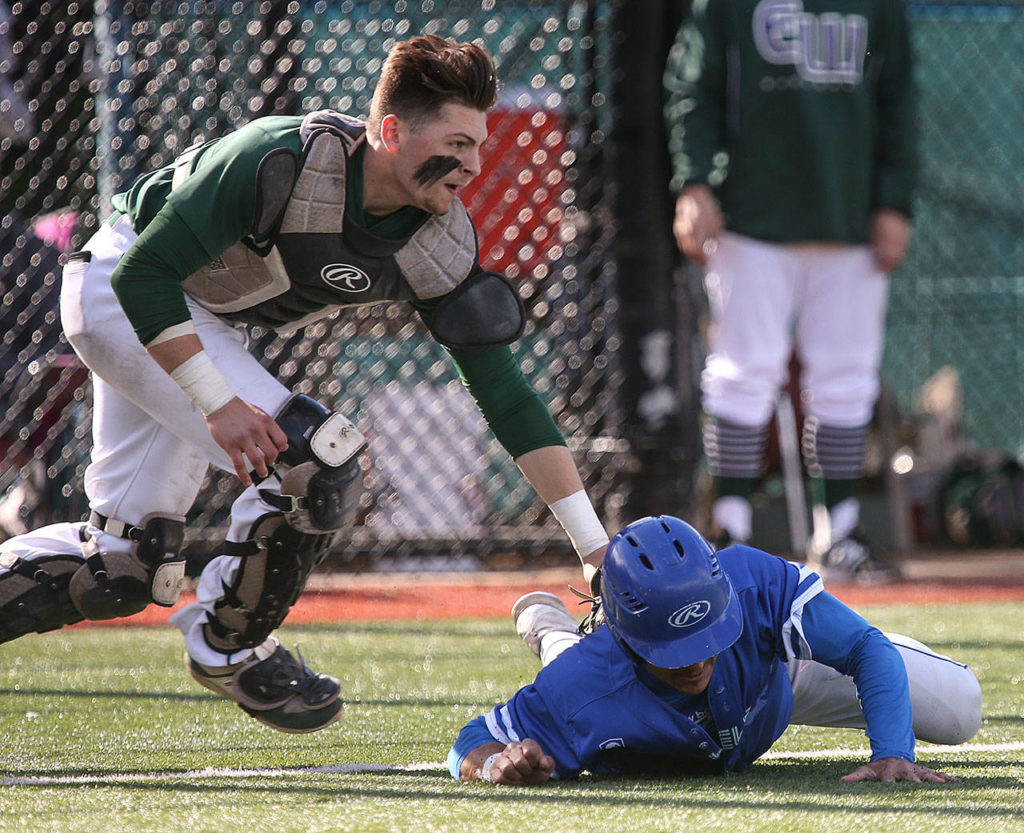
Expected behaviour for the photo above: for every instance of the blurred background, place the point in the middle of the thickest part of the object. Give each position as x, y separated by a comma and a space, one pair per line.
574, 206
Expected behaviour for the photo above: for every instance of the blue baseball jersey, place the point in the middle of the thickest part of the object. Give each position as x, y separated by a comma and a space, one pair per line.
596, 708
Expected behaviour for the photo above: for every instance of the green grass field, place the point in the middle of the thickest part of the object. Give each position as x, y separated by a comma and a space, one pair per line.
103, 731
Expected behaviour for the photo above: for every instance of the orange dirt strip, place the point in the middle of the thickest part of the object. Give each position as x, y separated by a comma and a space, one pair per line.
466, 599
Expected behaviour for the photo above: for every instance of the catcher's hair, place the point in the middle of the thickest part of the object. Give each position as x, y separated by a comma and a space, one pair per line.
424, 73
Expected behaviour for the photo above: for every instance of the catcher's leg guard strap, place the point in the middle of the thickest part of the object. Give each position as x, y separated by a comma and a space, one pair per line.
275, 565
34, 595
112, 585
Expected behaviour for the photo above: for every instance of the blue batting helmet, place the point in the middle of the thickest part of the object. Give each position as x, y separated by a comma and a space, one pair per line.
665, 596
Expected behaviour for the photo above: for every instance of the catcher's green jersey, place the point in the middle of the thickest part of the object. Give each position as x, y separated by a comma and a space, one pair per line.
799, 114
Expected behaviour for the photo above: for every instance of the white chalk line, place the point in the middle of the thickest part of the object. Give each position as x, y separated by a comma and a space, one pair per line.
213, 772
113, 778
921, 749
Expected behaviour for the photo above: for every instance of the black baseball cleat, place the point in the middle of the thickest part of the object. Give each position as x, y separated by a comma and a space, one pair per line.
851, 560
276, 689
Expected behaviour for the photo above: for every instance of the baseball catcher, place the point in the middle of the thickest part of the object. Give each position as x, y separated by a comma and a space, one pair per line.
278, 224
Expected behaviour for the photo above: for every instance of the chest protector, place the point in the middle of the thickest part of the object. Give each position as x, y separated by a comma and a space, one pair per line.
305, 260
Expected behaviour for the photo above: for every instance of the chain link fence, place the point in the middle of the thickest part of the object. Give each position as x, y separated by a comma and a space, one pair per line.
94, 93
959, 299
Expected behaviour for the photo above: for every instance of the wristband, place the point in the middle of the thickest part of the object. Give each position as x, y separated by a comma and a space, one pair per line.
579, 520
205, 385
485, 768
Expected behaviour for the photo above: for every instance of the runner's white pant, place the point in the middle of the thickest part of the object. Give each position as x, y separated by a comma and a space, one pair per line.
151, 444
830, 299
945, 696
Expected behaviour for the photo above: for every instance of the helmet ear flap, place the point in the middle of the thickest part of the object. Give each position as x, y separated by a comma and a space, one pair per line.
665, 594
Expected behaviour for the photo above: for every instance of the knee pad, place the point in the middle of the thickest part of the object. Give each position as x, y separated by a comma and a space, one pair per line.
275, 564
321, 487
34, 595
112, 585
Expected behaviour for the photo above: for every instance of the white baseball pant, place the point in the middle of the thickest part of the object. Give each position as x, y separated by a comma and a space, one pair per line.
151, 445
828, 299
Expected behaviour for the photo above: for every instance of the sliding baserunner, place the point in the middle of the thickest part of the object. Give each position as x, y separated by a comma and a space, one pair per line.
704, 660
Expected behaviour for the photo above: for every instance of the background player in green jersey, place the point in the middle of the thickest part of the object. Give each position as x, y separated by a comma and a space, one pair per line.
792, 132
282, 222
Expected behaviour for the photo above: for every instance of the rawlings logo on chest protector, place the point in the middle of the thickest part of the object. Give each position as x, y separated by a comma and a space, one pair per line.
345, 277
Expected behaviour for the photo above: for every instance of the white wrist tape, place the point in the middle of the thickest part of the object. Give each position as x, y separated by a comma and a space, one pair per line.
205, 385
579, 520
485, 769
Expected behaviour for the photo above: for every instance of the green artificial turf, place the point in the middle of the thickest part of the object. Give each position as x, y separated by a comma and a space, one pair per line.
103, 731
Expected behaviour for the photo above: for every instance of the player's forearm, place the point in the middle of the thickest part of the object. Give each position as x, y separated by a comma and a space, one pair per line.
881, 680
475, 735
553, 473
173, 352
514, 411
842, 639
182, 357
695, 101
898, 141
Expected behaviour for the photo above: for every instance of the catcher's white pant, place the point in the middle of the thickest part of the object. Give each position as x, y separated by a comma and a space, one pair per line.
829, 299
945, 696
151, 445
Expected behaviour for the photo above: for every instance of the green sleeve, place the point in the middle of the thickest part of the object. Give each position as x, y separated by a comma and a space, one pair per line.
210, 211
896, 155
514, 411
147, 280
695, 79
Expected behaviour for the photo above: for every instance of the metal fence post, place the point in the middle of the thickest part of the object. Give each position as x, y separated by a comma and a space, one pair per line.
657, 393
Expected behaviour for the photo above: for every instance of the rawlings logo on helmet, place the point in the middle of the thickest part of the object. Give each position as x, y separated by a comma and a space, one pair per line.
345, 277
690, 615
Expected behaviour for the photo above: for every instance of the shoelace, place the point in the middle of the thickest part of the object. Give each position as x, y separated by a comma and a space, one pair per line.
595, 618
311, 687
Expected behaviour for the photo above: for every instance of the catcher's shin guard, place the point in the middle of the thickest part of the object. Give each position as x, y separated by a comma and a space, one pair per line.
35, 595
276, 563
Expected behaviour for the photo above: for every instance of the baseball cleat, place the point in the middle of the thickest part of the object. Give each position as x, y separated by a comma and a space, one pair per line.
276, 689
538, 614
851, 560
